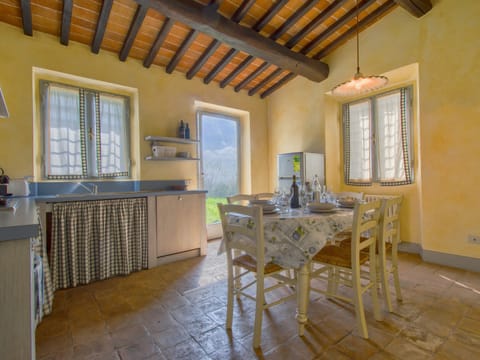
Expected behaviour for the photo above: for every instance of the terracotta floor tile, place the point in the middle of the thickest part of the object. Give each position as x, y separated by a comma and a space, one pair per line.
356, 347
170, 336
186, 350
402, 348
129, 336
144, 349
178, 311
456, 350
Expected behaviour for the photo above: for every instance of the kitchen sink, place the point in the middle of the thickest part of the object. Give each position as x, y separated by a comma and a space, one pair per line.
106, 193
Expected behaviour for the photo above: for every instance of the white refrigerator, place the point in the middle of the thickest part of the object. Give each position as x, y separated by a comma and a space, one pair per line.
303, 165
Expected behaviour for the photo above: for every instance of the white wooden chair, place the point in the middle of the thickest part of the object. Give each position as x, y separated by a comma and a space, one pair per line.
354, 266
349, 194
241, 199
265, 195
387, 243
249, 239
388, 239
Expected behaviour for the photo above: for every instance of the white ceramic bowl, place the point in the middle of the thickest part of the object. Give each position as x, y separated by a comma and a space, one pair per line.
321, 206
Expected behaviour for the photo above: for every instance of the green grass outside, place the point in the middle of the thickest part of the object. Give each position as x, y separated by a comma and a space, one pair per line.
212, 209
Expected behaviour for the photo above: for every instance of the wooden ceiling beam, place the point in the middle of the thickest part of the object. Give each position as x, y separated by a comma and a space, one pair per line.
239, 14
269, 15
417, 8
27, 17
265, 81
252, 76
137, 22
157, 44
320, 18
278, 85
208, 21
221, 64
101, 25
181, 51
242, 10
203, 58
306, 7
243, 65
350, 33
292, 20
257, 27
66, 21
337, 25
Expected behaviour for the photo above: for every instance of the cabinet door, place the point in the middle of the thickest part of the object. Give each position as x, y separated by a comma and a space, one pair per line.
180, 223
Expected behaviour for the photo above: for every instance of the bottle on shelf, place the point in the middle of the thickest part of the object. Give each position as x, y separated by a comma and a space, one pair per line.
187, 131
294, 199
181, 130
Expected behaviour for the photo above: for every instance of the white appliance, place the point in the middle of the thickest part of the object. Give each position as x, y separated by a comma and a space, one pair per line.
303, 165
19, 187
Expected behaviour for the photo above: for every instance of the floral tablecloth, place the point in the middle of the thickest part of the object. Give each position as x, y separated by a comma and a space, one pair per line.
292, 239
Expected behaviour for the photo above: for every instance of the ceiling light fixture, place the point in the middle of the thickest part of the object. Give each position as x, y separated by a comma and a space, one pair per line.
359, 84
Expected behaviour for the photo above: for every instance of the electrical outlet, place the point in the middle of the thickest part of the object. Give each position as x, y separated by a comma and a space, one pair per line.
474, 239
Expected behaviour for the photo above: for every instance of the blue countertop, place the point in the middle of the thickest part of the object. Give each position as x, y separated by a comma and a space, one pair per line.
19, 219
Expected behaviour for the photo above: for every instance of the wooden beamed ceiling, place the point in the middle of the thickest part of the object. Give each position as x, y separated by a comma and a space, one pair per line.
252, 45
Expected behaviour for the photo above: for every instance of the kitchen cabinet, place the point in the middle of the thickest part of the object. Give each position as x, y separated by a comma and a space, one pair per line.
180, 226
156, 140
17, 324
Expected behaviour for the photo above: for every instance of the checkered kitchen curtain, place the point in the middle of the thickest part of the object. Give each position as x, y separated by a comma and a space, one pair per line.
95, 240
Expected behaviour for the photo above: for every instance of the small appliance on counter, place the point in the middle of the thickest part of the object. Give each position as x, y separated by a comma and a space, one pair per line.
19, 187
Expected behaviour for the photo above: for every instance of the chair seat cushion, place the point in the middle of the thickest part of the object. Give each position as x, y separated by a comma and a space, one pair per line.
338, 256
249, 263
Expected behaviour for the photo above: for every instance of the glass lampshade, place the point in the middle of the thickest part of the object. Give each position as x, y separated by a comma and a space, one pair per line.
360, 85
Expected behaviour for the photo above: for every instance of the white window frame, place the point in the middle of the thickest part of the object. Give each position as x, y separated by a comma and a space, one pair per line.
91, 142
364, 168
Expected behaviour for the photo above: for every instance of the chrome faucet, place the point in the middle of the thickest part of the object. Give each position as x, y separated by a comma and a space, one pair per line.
93, 189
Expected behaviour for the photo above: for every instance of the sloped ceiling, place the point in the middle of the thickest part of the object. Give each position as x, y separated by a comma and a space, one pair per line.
250, 45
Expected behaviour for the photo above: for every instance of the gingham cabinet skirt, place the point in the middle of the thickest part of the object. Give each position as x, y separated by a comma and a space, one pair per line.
95, 240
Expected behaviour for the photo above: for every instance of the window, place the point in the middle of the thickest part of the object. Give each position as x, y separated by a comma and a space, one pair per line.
377, 139
85, 133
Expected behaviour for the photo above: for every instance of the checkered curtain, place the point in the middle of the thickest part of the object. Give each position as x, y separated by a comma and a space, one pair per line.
95, 240
40, 248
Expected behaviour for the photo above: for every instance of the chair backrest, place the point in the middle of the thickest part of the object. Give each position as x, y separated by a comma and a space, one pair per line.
389, 229
240, 198
265, 195
390, 220
365, 226
349, 194
243, 230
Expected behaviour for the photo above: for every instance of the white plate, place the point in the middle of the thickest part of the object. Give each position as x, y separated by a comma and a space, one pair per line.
261, 202
321, 206
271, 211
318, 210
346, 205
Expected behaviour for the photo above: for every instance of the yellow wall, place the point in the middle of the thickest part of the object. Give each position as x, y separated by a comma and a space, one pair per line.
163, 101
442, 207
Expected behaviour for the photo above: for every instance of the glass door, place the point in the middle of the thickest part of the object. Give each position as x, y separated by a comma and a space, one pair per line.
219, 136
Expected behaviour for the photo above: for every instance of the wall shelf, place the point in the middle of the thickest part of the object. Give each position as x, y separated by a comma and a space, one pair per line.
153, 158
172, 140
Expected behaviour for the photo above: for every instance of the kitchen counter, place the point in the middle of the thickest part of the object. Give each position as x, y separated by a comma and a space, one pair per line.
21, 222
113, 195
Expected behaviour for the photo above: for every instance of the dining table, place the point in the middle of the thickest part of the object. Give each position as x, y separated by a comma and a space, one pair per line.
293, 237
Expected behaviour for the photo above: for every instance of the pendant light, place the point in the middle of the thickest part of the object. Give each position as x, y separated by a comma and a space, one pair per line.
359, 84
